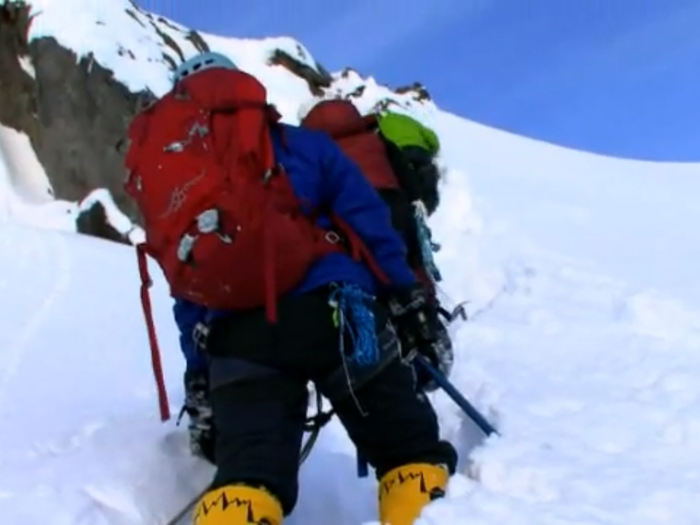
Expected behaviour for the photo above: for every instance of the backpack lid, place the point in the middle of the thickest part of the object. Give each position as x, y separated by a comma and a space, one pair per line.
339, 118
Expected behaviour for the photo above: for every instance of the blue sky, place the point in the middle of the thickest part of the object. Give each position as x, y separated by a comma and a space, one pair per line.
619, 77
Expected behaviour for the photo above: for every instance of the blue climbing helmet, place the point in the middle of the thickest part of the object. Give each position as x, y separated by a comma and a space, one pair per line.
201, 62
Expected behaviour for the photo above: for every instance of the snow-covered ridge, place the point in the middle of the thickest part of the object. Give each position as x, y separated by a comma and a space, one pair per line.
142, 48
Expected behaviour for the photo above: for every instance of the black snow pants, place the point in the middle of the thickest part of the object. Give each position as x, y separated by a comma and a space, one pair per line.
259, 375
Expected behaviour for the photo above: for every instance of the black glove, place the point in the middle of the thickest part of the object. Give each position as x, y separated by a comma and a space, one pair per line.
415, 318
201, 420
441, 356
420, 330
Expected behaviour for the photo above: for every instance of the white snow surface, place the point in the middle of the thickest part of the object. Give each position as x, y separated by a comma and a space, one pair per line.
26, 195
583, 347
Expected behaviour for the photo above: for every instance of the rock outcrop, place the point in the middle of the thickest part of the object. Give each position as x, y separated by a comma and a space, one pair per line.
94, 221
417, 90
17, 85
75, 112
83, 114
317, 78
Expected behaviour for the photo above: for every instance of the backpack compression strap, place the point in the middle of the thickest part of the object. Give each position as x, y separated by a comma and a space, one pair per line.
146, 283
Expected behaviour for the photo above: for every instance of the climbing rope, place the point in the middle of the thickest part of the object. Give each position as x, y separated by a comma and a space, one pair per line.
355, 320
425, 238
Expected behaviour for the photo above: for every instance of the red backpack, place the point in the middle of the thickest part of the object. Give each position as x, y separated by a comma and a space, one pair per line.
356, 137
221, 218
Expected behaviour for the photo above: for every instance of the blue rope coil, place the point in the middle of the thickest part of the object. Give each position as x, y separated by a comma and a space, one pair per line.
356, 319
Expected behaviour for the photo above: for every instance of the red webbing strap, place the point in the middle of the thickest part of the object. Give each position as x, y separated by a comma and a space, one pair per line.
146, 283
359, 250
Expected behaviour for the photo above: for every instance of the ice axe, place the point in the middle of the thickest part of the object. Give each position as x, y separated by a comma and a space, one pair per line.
461, 401
459, 312
456, 396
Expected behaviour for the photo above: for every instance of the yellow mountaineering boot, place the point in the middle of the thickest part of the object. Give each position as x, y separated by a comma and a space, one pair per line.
237, 505
404, 491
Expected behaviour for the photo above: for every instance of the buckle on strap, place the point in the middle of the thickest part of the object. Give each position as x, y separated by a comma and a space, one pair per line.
200, 334
332, 237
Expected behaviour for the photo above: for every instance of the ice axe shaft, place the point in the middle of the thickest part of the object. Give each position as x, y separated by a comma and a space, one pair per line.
456, 396
459, 312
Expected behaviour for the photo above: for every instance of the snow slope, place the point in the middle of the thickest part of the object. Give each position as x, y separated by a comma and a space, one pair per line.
26, 195
583, 347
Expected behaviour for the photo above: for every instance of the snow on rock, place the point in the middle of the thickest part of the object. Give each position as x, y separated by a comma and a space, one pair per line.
368, 95
108, 215
27, 175
142, 48
291, 55
26, 196
119, 36
26, 63
25, 192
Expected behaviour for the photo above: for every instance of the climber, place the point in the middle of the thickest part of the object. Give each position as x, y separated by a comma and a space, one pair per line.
419, 146
273, 291
396, 155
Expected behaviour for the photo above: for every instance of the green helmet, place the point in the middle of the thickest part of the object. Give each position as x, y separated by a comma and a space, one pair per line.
406, 131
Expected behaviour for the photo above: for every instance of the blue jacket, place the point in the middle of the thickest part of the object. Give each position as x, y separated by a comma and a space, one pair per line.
321, 174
